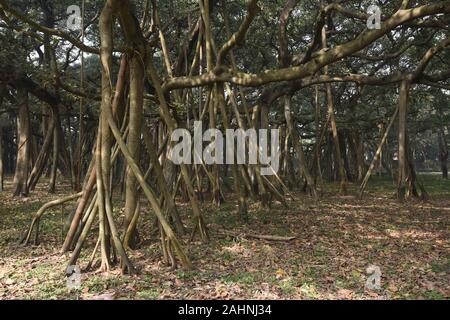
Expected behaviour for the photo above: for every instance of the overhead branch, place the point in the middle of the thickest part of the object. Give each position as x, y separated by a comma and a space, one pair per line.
238, 37
321, 59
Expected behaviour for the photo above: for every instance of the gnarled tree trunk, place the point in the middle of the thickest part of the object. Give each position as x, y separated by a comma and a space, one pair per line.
402, 153
134, 144
23, 144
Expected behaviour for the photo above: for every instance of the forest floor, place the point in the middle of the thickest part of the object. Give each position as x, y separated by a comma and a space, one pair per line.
336, 241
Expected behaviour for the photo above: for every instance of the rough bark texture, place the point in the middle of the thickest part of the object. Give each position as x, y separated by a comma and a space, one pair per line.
134, 142
402, 151
23, 144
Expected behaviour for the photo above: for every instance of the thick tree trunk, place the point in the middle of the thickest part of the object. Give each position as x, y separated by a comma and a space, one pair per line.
107, 227
402, 151
104, 239
23, 144
134, 144
130, 27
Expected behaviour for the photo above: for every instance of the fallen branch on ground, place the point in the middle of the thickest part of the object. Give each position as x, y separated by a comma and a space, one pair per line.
257, 236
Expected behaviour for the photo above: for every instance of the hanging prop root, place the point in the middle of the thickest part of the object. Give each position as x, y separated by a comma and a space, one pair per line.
37, 216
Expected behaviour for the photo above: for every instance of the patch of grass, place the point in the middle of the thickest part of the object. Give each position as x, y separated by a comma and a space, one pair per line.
311, 273
247, 278
342, 283
356, 278
151, 250
227, 256
381, 184
40, 270
434, 184
267, 217
50, 291
309, 290
186, 275
288, 286
440, 266
147, 294
21, 262
433, 295
99, 284
320, 251
225, 215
